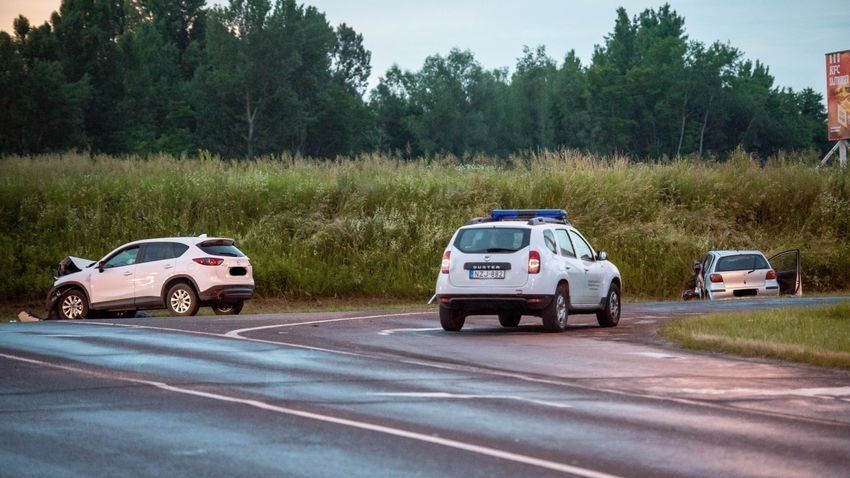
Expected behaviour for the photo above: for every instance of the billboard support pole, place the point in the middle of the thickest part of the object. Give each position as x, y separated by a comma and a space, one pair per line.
841, 146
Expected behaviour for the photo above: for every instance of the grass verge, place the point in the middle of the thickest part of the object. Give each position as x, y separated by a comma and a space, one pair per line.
814, 335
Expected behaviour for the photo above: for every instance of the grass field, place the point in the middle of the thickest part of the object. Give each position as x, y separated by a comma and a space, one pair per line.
376, 227
815, 335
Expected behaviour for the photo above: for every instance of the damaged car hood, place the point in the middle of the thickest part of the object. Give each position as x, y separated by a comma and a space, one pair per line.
70, 265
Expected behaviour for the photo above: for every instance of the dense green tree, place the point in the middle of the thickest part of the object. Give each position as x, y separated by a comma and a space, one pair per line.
532, 88
40, 110
265, 76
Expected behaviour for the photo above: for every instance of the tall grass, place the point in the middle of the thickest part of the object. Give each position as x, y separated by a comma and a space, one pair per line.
376, 226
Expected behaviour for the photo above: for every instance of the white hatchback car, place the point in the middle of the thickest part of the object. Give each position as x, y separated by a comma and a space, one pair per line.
179, 274
728, 274
525, 262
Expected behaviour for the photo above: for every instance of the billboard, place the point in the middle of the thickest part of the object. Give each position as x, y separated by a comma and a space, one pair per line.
838, 94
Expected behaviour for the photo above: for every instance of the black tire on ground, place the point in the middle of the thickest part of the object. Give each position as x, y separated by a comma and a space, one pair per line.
181, 300
72, 305
610, 315
231, 308
509, 320
451, 320
555, 314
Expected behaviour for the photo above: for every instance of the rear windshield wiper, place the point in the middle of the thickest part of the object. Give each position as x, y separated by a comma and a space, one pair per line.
500, 249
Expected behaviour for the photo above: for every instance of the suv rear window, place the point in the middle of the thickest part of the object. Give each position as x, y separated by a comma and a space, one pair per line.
742, 262
492, 240
226, 250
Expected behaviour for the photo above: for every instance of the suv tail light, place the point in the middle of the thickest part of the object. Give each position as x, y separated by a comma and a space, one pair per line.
208, 261
715, 278
771, 275
447, 262
533, 262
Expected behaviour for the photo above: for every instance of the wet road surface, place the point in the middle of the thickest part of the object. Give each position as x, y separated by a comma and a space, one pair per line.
388, 393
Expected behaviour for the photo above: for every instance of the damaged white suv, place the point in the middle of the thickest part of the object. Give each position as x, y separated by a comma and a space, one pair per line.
525, 262
179, 274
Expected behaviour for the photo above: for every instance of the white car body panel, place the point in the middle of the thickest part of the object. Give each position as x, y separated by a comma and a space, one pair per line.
141, 285
737, 281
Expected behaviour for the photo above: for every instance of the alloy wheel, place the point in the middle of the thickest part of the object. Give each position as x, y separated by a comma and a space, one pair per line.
72, 306
181, 301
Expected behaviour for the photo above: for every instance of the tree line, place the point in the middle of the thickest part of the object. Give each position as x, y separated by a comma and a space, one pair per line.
259, 77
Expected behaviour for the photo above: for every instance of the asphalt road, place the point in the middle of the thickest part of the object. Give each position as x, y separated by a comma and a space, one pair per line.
388, 393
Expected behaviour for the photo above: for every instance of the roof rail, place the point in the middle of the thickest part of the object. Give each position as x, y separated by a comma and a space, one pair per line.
478, 220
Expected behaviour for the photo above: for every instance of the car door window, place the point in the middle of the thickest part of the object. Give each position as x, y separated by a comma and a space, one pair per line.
158, 251
564, 243
583, 249
549, 239
179, 249
124, 258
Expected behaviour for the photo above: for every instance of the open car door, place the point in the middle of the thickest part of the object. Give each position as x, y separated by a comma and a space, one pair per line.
788, 272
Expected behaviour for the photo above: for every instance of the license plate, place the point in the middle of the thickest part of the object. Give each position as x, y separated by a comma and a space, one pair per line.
486, 274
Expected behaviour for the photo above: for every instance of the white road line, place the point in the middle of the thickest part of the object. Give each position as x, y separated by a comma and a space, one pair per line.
658, 355
239, 332
420, 329
462, 396
481, 450
484, 371
821, 392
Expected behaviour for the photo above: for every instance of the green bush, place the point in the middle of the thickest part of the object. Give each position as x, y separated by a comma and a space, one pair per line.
375, 226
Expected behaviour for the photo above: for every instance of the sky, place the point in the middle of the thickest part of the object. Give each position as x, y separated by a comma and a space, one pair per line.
791, 37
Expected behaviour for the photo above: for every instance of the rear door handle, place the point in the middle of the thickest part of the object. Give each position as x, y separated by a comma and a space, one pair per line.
128, 273
168, 267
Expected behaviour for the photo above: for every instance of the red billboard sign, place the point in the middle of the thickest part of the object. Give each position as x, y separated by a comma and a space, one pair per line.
838, 94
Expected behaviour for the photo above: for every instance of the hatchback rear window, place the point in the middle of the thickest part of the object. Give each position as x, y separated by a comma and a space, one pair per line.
226, 250
742, 262
492, 240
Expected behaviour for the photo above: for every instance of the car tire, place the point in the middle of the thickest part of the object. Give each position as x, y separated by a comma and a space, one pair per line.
73, 305
181, 300
509, 320
556, 313
610, 315
451, 320
232, 308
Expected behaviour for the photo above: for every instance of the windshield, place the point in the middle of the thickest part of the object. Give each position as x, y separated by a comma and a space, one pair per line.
492, 240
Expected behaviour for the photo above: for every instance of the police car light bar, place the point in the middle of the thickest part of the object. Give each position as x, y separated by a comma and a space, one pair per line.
508, 214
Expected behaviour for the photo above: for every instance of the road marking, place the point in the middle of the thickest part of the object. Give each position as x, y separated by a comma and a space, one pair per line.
421, 329
821, 392
446, 442
238, 333
645, 321
658, 355
471, 397
490, 372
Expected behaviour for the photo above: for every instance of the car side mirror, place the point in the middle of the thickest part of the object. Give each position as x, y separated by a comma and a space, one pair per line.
100, 267
603, 256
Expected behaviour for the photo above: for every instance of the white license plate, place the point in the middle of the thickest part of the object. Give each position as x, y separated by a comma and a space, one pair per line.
486, 274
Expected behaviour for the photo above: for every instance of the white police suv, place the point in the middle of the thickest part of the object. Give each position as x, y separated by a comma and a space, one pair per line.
525, 262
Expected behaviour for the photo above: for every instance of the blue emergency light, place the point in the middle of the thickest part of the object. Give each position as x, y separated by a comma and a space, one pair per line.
513, 214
